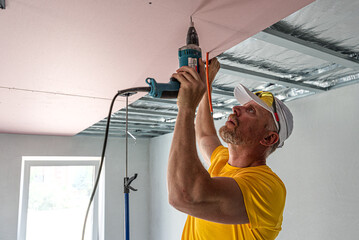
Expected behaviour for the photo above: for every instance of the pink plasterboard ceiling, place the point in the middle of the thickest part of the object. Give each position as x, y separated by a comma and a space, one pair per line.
61, 62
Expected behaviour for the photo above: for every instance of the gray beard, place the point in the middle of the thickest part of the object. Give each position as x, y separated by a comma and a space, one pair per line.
229, 136
233, 137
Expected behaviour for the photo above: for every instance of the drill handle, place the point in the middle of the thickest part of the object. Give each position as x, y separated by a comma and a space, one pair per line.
163, 90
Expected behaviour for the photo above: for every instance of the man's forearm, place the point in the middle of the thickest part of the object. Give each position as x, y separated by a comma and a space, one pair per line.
206, 134
204, 120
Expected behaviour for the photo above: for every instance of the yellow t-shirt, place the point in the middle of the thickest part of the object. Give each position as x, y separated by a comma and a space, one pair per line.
264, 197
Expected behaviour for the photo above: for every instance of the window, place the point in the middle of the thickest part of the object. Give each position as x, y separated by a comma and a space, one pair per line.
54, 196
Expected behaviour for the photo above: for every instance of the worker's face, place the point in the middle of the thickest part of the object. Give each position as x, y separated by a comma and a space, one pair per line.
247, 125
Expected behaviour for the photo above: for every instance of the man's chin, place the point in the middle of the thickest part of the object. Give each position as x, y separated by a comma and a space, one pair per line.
228, 135
222, 130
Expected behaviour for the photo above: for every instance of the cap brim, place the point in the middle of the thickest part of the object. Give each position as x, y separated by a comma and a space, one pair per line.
243, 96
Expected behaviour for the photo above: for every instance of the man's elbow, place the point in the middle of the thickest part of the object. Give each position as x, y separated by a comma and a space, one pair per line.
181, 201
175, 202
190, 195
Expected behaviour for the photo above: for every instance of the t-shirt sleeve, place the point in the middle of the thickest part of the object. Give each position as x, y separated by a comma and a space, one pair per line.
264, 199
219, 151
219, 158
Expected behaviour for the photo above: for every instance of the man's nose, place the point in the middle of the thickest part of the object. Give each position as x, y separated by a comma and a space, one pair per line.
237, 110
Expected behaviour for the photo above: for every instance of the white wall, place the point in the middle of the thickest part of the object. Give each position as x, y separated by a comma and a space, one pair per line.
13, 147
318, 164
165, 222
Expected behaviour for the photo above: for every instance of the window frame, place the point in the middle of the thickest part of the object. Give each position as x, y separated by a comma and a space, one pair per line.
98, 201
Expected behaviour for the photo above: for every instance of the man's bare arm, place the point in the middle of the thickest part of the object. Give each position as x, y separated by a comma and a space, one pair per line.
206, 134
191, 189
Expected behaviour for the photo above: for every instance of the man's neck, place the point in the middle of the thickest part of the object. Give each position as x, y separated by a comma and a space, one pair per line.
240, 156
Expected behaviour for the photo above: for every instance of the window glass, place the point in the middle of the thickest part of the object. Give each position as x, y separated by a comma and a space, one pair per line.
58, 197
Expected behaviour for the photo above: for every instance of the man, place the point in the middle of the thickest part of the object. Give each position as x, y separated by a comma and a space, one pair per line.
239, 197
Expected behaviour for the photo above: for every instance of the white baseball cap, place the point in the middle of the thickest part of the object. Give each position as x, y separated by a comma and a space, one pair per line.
282, 116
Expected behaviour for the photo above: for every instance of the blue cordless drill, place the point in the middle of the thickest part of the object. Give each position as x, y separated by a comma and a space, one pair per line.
188, 55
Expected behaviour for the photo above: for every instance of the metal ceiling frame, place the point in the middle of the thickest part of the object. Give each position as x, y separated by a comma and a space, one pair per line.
115, 133
135, 127
136, 120
258, 76
223, 93
140, 111
287, 41
169, 102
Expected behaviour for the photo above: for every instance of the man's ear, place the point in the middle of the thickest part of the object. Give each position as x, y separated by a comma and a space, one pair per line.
270, 139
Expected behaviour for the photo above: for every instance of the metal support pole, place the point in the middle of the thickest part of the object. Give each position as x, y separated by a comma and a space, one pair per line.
126, 135
127, 180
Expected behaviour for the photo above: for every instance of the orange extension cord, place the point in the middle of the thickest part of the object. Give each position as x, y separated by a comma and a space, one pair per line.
208, 86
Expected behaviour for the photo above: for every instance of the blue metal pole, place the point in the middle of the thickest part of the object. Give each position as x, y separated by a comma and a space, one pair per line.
127, 217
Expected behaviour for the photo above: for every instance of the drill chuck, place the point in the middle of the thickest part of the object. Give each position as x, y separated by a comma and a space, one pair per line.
190, 53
